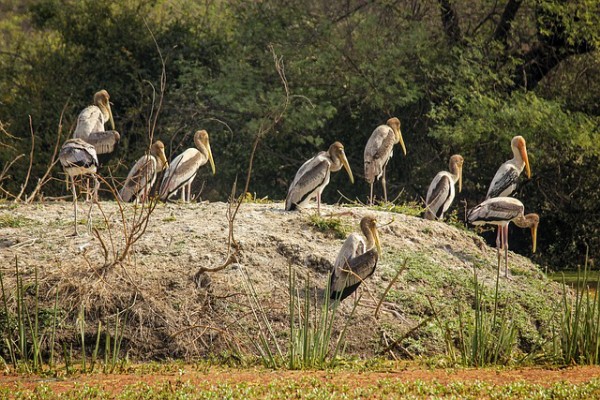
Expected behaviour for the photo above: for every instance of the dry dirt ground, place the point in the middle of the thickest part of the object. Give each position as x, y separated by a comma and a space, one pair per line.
167, 313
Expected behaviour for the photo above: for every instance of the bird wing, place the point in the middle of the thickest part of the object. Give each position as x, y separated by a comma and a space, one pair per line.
89, 120
504, 182
344, 281
140, 179
309, 177
496, 209
181, 170
378, 151
439, 192
352, 247
104, 141
78, 157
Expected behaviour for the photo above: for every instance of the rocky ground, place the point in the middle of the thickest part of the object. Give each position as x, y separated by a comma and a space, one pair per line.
168, 311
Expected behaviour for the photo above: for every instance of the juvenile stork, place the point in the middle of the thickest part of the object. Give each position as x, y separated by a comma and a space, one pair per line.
183, 169
313, 176
356, 260
506, 178
90, 125
440, 194
379, 150
78, 157
142, 176
501, 211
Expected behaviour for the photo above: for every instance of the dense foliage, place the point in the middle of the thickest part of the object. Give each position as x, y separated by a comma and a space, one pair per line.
464, 77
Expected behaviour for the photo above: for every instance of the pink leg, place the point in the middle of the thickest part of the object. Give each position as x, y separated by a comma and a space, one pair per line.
505, 239
319, 203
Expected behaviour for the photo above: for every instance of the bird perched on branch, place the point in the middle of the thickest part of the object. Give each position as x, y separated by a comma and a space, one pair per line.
313, 176
183, 169
79, 158
356, 260
440, 194
501, 211
142, 176
379, 150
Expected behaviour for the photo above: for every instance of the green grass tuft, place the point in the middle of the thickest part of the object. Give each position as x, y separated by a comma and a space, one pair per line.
331, 226
14, 221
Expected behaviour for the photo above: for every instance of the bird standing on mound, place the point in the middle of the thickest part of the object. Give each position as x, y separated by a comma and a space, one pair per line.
506, 178
440, 194
501, 211
313, 176
184, 167
78, 157
356, 260
142, 176
379, 150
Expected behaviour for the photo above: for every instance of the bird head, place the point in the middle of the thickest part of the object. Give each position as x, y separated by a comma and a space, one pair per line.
394, 123
336, 152
456, 167
201, 138
518, 145
158, 150
369, 227
102, 100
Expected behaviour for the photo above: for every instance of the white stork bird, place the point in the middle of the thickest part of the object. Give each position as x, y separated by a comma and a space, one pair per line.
142, 176
90, 125
356, 260
313, 176
78, 157
379, 150
440, 194
501, 211
506, 178
183, 169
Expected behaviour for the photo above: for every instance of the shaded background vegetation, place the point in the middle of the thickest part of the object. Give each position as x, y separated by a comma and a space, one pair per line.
463, 76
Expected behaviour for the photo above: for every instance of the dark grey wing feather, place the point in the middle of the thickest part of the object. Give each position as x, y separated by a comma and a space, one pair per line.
438, 194
104, 142
305, 184
504, 182
496, 209
343, 283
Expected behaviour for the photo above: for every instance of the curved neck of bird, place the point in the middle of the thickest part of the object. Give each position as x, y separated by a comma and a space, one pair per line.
201, 147
517, 159
336, 163
523, 222
370, 239
159, 162
455, 172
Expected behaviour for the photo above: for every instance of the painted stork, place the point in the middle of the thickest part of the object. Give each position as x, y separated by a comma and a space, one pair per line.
78, 157
356, 260
501, 211
183, 169
142, 176
379, 150
506, 178
313, 176
440, 194
90, 125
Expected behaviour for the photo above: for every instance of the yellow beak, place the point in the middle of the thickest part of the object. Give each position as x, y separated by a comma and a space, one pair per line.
534, 237
459, 179
347, 166
523, 151
377, 242
210, 158
163, 159
400, 140
110, 116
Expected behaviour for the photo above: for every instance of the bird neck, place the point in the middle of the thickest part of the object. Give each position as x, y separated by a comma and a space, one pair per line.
369, 238
201, 147
522, 222
336, 163
517, 160
454, 172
